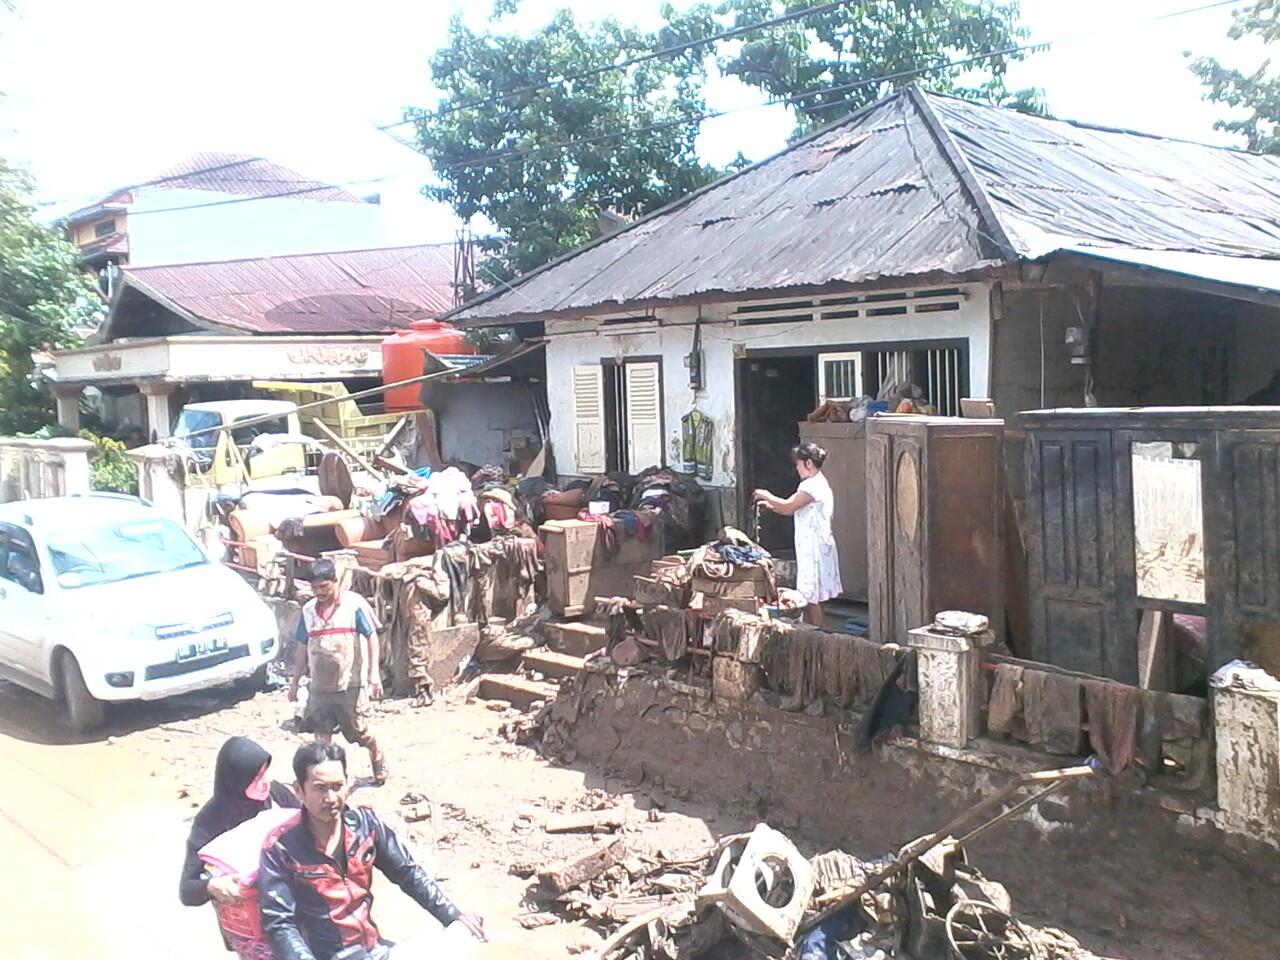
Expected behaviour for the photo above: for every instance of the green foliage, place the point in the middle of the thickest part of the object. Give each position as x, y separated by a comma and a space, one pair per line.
546, 202
43, 298
850, 47
1257, 92
109, 468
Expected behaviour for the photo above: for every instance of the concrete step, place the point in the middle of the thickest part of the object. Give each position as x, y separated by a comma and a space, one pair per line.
517, 691
575, 639
549, 663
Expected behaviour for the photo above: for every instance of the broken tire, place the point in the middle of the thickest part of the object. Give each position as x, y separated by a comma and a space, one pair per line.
80, 709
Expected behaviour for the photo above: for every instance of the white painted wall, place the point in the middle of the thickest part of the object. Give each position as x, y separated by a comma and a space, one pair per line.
254, 228
574, 342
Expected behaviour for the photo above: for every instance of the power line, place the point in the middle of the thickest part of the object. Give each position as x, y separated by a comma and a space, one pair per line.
166, 179
631, 62
500, 156
503, 156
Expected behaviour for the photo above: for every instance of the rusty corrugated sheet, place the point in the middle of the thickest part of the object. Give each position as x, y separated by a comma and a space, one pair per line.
917, 184
352, 292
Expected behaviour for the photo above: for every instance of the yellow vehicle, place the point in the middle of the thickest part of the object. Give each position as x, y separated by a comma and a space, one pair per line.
362, 432
269, 448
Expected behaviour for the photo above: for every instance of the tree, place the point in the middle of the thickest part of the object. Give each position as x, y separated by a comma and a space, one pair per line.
498, 137
1259, 91
43, 299
505, 157
838, 56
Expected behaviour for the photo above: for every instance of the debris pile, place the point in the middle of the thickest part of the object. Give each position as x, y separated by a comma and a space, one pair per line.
755, 897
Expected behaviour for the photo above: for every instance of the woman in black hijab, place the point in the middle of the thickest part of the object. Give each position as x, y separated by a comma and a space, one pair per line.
240, 792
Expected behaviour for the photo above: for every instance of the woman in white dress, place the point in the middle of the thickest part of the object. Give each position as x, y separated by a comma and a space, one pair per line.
812, 505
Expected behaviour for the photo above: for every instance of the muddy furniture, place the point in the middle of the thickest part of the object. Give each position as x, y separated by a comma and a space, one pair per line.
846, 471
935, 521
1173, 509
579, 569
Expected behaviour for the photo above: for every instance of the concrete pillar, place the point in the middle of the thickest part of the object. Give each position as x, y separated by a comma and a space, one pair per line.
159, 416
949, 678
68, 400
159, 482
1247, 729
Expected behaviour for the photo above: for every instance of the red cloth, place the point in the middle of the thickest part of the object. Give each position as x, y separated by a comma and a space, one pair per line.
1113, 710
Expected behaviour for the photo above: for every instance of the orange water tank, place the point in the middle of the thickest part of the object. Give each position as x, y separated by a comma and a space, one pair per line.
402, 358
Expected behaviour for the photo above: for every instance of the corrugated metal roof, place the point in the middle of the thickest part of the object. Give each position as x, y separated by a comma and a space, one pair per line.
1247, 273
351, 292
916, 184
236, 174
244, 175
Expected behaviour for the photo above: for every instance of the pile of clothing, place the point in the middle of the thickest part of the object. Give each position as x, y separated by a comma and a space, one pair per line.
677, 497
728, 554
442, 507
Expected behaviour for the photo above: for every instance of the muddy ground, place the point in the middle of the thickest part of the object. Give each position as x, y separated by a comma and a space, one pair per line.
102, 822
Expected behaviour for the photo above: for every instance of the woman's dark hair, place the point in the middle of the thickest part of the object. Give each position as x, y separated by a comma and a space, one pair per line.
314, 753
323, 570
809, 451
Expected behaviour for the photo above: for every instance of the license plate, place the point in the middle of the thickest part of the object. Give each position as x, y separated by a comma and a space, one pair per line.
201, 648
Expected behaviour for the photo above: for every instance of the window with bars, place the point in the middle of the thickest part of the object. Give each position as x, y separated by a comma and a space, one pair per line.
939, 371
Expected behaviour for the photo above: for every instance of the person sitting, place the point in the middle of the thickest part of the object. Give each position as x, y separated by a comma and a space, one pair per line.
315, 880
240, 792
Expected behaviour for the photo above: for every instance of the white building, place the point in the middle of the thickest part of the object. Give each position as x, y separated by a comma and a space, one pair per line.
215, 206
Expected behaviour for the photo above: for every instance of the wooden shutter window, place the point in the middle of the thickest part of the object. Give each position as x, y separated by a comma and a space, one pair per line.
588, 418
644, 416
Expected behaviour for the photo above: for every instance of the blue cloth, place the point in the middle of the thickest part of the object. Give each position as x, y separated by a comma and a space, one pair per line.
742, 556
363, 627
823, 941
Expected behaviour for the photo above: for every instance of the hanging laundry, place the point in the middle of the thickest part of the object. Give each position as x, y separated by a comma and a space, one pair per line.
697, 450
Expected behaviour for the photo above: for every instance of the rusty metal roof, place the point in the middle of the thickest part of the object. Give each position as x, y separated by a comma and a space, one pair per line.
915, 185
348, 292
236, 174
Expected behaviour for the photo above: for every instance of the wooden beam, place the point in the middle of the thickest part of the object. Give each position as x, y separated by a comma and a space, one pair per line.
342, 445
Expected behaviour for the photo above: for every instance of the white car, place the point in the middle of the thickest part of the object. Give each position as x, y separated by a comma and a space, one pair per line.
103, 598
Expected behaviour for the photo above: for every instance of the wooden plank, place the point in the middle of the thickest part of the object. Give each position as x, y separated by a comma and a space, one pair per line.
574, 871
1155, 662
588, 821
342, 445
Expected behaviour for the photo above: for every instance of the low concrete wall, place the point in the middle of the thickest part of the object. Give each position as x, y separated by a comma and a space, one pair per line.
1129, 871
31, 469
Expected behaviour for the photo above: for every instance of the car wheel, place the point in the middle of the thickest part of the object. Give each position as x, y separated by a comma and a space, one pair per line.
82, 711
256, 682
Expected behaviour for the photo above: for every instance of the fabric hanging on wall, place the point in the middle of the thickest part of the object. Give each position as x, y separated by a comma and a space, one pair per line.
1004, 710
669, 626
1053, 705
1113, 710
697, 449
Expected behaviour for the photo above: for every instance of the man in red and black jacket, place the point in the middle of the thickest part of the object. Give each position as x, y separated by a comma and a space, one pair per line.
315, 880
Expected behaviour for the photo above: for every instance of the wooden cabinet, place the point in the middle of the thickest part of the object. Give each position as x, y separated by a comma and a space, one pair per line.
935, 521
846, 471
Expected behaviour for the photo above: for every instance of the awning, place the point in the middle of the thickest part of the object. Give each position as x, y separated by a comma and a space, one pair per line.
1245, 278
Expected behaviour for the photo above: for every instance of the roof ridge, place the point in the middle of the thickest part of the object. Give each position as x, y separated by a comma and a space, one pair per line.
282, 256
1103, 128
513, 285
995, 232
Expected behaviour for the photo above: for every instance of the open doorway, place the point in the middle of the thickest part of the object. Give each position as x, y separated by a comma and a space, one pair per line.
774, 394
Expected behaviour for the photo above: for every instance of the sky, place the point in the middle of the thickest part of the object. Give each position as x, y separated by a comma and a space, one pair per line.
96, 96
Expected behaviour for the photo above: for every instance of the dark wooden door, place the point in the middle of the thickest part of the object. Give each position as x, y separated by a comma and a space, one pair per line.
1072, 551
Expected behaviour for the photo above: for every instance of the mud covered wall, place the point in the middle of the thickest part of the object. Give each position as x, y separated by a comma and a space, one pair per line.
1108, 868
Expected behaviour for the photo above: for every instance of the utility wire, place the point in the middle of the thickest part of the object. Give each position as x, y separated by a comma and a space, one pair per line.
631, 62
166, 179
503, 156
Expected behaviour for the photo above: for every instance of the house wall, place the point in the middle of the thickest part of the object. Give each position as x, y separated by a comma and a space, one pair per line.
481, 418
263, 227
575, 342
1257, 348
82, 234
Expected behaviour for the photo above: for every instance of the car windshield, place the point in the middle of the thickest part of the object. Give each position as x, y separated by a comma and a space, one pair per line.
192, 421
124, 551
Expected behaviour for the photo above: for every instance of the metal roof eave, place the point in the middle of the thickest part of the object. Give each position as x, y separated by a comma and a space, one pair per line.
1255, 280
